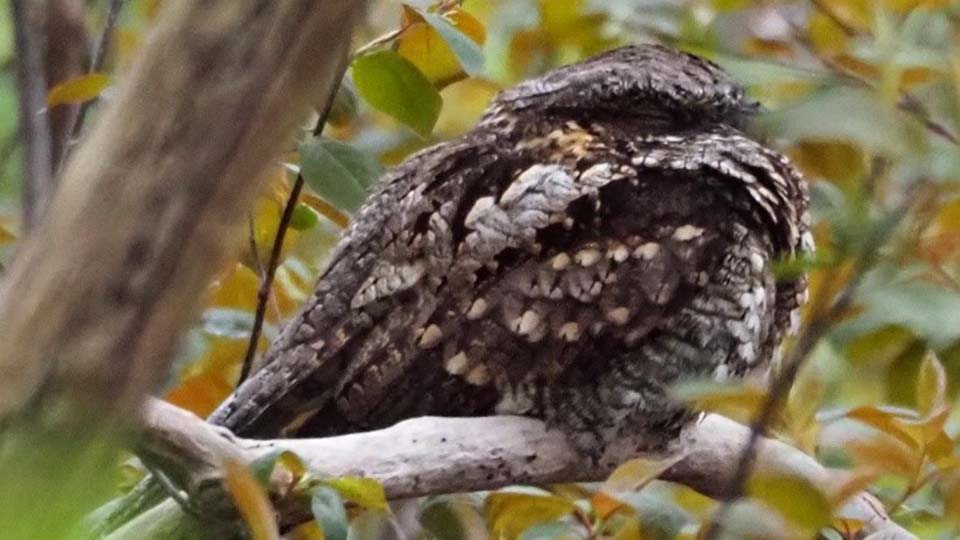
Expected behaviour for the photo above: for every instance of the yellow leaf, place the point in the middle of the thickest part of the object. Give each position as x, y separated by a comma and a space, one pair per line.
886, 454
77, 89
637, 473
739, 401
795, 498
852, 484
306, 531
840, 162
364, 492
472, 97
847, 527
802, 404
236, 289
6, 236
509, 514
326, 209
889, 423
251, 501
425, 47
931, 385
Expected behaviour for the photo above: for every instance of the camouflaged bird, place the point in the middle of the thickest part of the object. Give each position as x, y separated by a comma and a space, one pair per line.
605, 230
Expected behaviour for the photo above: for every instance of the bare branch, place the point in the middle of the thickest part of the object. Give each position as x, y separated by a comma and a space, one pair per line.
67, 57
32, 91
431, 455
96, 64
267, 277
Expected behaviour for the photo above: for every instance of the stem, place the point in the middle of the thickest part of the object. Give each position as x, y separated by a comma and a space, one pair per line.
96, 64
31, 89
263, 294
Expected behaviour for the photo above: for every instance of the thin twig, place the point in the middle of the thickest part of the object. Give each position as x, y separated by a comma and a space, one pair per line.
254, 250
96, 64
906, 102
382, 40
34, 128
818, 326
263, 294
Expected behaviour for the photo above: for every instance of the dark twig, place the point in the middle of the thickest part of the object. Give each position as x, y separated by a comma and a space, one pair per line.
906, 102
31, 87
96, 64
263, 294
254, 250
819, 324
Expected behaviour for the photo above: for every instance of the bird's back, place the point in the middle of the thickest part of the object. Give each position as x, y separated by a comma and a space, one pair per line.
569, 266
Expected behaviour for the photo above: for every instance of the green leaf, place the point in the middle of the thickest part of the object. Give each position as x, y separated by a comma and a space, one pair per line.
303, 218
263, 466
438, 516
840, 113
795, 498
393, 85
660, 518
931, 385
328, 510
465, 49
365, 492
337, 172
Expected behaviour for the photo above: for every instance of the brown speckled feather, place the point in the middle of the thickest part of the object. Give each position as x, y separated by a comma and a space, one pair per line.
604, 231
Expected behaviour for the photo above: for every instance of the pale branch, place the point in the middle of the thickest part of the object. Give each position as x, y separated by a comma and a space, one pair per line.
431, 455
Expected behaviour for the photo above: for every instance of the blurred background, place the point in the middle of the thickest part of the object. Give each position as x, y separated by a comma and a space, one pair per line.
863, 95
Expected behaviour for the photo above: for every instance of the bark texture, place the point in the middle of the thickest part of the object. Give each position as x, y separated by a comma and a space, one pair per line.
97, 296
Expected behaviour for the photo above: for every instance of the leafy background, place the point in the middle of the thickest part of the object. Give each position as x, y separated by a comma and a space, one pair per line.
863, 95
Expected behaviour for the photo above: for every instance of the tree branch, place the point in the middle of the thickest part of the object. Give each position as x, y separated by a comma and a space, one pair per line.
267, 277
32, 90
96, 64
432, 455
150, 204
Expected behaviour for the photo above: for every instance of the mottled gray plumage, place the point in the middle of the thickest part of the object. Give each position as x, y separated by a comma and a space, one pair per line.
605, 230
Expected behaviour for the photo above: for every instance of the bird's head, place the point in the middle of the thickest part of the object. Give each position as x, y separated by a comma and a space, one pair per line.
646, 82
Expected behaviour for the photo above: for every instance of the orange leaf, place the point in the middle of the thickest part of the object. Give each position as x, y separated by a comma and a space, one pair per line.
251, 501
78, 89
886, 454
605, 505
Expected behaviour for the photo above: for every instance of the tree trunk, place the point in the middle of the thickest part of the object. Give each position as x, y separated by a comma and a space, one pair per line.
145, 212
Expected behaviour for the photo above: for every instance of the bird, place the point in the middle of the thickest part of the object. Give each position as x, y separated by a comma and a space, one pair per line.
606, 230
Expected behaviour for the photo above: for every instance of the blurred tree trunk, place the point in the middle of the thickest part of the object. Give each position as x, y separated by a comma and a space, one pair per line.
145, 212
